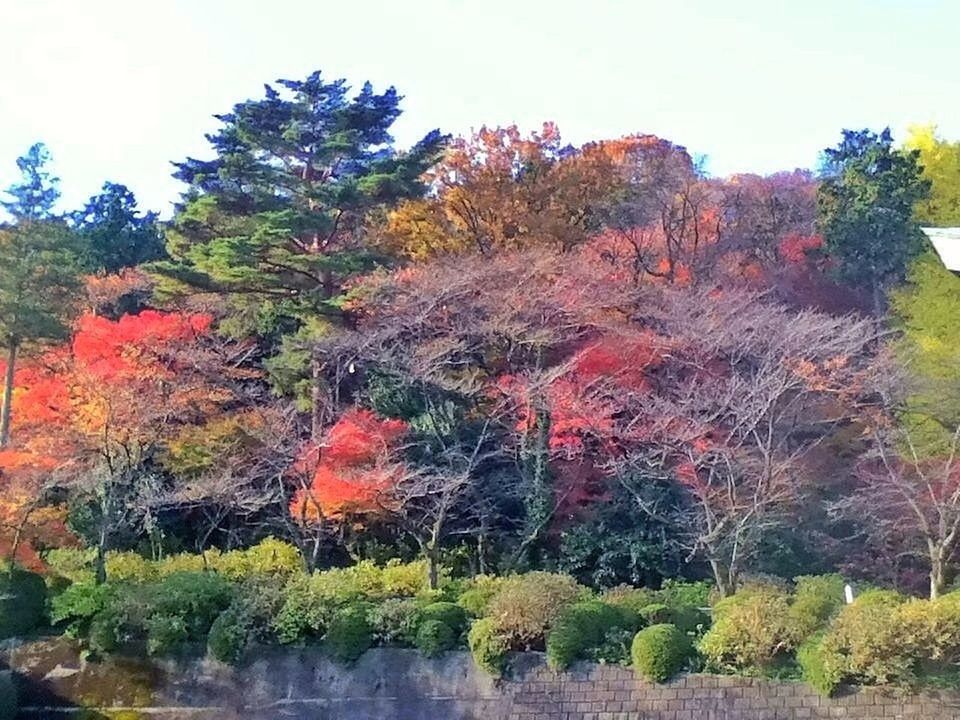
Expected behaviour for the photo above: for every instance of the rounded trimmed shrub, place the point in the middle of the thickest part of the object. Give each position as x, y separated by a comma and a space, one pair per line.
528, 605
23, 601
450, 614
584, 626
435, 637
229, 636
751, 630
350, 634
488, 647
659, 652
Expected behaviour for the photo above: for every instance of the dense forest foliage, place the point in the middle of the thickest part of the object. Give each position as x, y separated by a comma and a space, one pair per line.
491, 353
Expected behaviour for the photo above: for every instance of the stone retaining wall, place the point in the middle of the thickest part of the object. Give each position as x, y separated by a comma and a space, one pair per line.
301, 684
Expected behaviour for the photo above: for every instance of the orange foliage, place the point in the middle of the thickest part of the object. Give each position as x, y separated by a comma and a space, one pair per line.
350, 470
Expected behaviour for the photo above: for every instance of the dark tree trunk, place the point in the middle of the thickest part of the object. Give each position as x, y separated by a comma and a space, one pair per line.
8, 394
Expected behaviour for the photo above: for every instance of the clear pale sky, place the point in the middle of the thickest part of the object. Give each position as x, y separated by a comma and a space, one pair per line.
118, 88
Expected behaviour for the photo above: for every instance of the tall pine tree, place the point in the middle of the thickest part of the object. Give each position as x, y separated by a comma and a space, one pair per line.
275, 222
38, 276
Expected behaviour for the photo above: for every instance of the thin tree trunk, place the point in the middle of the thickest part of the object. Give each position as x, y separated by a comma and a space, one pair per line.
722, 578
8, 394
433, 568
316, 400
101, 564
937, 575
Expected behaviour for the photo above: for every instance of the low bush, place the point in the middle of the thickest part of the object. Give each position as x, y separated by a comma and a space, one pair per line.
23, 601
77, 605
614, 649
820, 669
816, 599
751, 631
394, 621
528, 605
435, 637
129, 567
229, 636
268, 557
448, 613
349, 634
165, 633
656, 614
488, 646
196, 598
865, 642
478, 592
630, 597
248, 619
584, 626
74, 564
685, 593
659, 652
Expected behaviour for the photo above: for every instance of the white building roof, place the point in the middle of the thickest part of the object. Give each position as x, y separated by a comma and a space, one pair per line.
946, 241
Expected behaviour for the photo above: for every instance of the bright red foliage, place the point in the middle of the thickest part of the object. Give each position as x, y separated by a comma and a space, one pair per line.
351, 467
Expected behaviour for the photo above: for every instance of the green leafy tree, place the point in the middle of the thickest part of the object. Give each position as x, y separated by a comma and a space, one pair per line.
276, 222
941, 166
38, 276
114, 234
866, 203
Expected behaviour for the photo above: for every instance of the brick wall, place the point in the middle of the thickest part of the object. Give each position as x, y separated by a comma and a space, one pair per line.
612, 693
302, 684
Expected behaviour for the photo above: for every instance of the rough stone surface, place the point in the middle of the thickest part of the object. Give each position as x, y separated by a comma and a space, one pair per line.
302, 684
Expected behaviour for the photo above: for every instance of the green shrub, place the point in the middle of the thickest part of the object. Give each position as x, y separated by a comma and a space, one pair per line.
435, 637
165, 633
196, 598
77, 605
751, 630
228, 637
109, 628
488, 646
395, 621
305, 612
8, 696
268, 557
448, 613
583, 626
614, 649
656, 614
75, 564
23, 601
820, 669
129, 567
478, 592
931, 628
659, 652
630, 597
816, 599
248, 619
527, 606
350, 634
685, 593
865, 642
399, 579
187, 563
